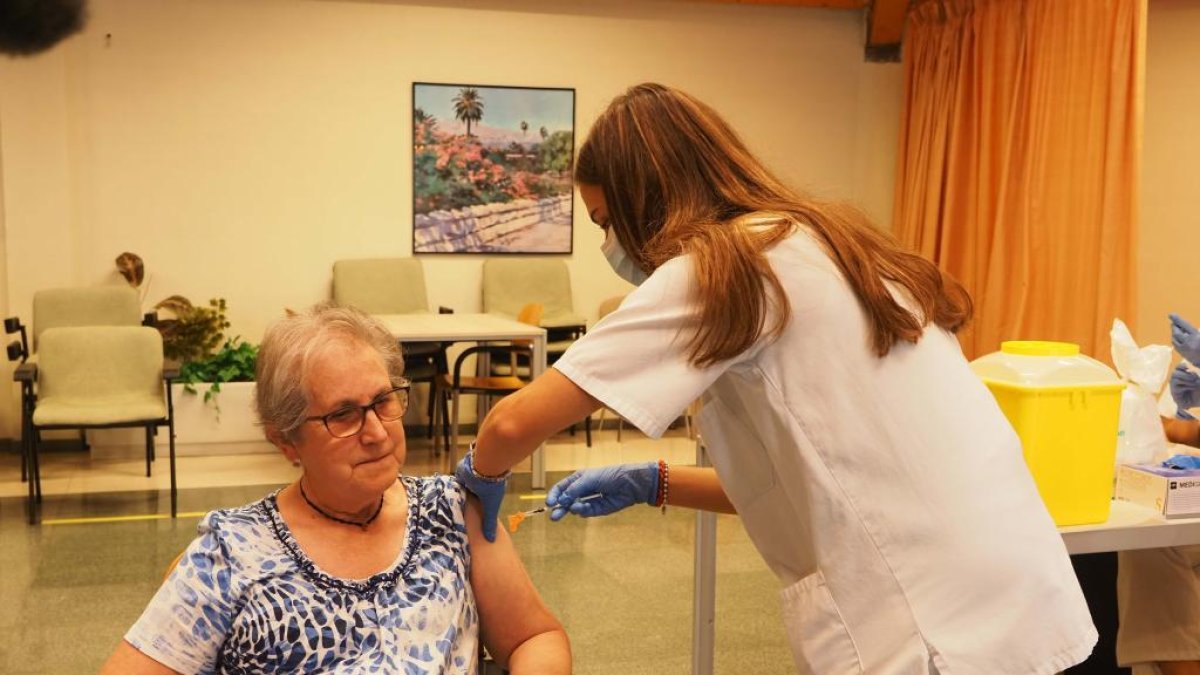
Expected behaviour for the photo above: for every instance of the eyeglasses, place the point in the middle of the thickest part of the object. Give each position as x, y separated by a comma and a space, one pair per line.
347, 421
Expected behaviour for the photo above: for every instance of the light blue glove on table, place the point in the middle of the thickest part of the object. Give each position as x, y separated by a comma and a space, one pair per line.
1185, 389
489, 490
619, 486
1190, 462
1186, 339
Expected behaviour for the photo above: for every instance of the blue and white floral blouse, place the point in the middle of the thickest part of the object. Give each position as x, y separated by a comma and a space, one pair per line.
245, 599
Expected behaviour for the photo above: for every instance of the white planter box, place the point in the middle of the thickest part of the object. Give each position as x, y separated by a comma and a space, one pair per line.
198, 428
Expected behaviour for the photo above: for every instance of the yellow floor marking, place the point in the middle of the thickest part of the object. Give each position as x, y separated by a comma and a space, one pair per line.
119, 519
530, 498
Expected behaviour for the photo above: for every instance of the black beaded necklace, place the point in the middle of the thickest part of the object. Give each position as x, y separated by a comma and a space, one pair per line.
343, 521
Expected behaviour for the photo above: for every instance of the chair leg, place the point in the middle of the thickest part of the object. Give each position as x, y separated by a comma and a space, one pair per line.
453, 448
432, 407
444, 396
620, 423
24, 439
27, 455
174, 488
438, 403
36, 463
83, 440
171, 450
149, 447
26, 425
587, 429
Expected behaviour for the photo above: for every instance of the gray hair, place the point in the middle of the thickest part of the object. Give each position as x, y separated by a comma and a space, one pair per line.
281, 397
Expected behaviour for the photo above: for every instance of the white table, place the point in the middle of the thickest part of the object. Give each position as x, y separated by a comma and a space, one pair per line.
474, 328
1130, 526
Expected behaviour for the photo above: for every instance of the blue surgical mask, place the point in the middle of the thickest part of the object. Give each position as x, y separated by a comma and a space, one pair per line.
620, 261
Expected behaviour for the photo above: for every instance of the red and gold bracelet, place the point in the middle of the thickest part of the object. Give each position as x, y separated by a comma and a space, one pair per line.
664, 484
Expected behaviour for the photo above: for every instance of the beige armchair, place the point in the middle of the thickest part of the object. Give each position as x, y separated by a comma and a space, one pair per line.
111, 305
396, 286
510, 284
96, 377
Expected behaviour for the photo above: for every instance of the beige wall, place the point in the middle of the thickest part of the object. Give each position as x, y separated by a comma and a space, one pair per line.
241, 146
1169, 249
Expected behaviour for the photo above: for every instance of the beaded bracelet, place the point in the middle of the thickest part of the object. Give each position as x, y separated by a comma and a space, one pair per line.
475, 474
664, 484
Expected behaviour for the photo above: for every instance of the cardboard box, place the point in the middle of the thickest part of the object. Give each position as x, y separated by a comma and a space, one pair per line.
1175, 493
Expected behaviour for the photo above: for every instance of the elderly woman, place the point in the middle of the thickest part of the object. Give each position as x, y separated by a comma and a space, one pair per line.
352, 568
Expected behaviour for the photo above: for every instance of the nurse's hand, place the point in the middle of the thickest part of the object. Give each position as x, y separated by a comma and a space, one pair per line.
1186, 339
1185, 389
489, 489
599, 492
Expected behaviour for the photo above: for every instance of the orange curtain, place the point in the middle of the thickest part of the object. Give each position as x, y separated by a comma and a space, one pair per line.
1019, 161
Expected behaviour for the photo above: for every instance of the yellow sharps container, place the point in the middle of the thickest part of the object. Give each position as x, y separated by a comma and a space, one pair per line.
1065, 407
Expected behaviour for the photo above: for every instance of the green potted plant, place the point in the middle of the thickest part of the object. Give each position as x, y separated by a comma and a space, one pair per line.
233, 362
221, 368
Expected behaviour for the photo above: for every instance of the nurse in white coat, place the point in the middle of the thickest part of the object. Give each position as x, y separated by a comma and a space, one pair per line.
874, 472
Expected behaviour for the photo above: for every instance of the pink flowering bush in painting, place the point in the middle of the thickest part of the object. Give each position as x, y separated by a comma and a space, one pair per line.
454, 171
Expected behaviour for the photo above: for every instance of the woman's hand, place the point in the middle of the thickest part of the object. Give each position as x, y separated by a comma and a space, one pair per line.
1186, 339
618, 487
1185, 389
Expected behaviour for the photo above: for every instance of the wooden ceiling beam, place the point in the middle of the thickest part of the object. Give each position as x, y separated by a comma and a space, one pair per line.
885, 29
834, 4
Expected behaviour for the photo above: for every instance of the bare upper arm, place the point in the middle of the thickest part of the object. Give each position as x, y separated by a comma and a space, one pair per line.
126, 659
510, 609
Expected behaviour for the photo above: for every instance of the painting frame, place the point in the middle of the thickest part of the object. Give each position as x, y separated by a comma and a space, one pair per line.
492, 186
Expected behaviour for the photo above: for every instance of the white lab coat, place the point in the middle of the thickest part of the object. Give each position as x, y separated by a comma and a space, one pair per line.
888, 495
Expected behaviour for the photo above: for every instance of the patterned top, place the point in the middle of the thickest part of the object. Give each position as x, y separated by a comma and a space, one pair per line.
245, 598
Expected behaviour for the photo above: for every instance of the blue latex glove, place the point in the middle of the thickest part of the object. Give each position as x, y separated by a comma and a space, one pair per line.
1185, 389
1182, 462
1186, 339
489, 490
619, 487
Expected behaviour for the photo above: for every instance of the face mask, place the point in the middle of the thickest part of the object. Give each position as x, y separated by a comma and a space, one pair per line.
621, 263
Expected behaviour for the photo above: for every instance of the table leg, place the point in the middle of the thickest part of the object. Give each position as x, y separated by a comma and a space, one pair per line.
538, 460
704, 598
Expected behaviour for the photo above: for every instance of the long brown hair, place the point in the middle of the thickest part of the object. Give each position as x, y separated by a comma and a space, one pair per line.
677, 180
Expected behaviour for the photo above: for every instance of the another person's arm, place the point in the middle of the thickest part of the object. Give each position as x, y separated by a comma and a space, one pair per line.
697, 487
605, 490
518, 629
520, 422
1182, 431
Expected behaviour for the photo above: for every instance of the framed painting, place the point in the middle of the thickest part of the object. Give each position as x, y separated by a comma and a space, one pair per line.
492, 169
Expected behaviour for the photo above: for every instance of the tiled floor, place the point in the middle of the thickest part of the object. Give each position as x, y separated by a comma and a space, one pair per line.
622, 585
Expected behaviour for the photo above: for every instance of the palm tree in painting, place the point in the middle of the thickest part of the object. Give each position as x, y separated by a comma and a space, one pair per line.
468, 106
524, 128
544, 133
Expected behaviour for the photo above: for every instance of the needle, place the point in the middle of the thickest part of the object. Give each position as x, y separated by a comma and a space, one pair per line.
514, 521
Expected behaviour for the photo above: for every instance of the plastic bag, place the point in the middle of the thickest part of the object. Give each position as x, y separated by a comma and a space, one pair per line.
1140, 435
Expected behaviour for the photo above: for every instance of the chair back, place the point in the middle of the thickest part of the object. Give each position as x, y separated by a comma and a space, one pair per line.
100, 375
610, 305
509, 285
381, 285
111, 305
531, 314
